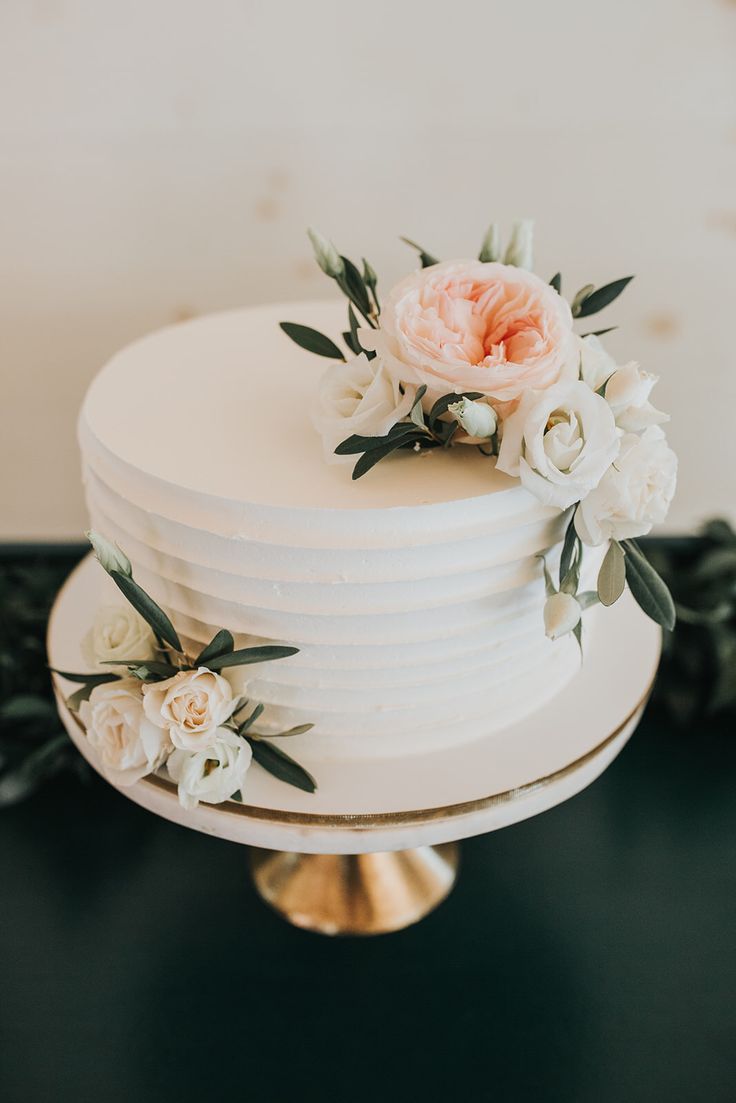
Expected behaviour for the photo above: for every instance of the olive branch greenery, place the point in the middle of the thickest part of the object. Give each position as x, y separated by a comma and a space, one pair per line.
624, 562
698, 673
219, 654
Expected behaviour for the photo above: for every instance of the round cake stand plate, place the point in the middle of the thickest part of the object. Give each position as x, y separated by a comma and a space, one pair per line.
374, 848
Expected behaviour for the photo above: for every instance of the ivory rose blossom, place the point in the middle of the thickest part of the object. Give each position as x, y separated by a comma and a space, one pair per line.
128, 744
472, 326
190, 706
634, 494
118, 633
559, 442
359, 397
213, 774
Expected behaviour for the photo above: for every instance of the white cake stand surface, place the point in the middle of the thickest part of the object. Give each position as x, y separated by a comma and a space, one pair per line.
365, 811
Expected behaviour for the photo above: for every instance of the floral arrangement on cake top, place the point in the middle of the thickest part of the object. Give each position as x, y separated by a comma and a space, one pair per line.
482, 353
169, 709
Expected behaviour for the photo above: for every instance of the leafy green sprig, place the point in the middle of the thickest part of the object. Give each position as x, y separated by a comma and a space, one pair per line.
590, 299
359, 287
418, 431
698, 675
624, 562
219, 654
571, 558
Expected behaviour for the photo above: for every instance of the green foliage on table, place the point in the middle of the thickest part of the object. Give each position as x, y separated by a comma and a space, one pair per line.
33, 743
698, 674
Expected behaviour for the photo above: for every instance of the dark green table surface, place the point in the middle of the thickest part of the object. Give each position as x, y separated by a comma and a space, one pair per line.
587, 954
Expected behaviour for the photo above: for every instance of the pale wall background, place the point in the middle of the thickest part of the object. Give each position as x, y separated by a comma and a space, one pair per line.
162, 158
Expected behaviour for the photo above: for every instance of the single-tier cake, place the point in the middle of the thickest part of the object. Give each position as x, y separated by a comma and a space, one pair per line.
391, 559
414, 595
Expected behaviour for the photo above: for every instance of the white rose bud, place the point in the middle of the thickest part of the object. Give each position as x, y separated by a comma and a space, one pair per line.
326, 255
359, 397
109, 555
478, 419
129, 746
490, 250
213, 774
118, 633
190, 706
561, 614
519, 251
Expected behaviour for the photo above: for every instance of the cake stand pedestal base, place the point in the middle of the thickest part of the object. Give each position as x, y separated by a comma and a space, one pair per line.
355, 894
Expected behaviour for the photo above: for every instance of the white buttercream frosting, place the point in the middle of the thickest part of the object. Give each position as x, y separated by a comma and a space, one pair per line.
414, 594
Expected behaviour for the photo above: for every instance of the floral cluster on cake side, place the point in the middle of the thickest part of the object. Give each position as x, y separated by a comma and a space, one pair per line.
167, 708
483, 353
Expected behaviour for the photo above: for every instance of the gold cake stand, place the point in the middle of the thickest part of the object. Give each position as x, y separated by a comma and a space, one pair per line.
376, 848
356, 893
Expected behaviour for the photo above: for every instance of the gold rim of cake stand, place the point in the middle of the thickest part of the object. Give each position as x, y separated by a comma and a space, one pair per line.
367, 820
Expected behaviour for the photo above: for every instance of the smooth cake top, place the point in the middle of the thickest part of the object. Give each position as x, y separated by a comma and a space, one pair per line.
221, 406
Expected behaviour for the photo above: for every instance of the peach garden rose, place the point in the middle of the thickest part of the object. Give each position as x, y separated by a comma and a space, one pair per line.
473, 326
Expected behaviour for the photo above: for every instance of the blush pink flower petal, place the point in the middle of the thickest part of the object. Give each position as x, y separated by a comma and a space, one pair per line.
471, 326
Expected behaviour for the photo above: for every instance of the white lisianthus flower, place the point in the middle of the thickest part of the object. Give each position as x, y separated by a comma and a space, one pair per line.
627, 393
129, 746
213, 774
478, 419
118, 633
595, 362
634, 494
361, 398
559, 442
562, 613
190, 706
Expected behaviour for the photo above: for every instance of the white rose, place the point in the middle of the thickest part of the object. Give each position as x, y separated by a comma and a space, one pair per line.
561, 614
212, 774
118, 633
635, 492
627, 393
128, 744
559, 442
358, 398
190, 706
596, 364
478, 419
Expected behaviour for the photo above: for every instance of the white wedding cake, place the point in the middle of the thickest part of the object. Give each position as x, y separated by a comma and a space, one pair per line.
415, 595
404, 553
